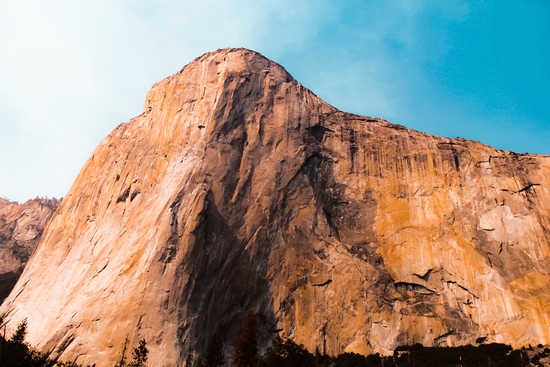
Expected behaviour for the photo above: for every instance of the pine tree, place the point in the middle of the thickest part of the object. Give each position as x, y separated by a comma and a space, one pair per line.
214, 356
245, 352
122, 361
20, 333
139, 355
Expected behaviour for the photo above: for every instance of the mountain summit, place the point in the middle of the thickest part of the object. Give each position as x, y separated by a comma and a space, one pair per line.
237, 188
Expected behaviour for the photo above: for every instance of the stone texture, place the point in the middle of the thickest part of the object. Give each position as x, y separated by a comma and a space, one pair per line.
238, 188
21, 226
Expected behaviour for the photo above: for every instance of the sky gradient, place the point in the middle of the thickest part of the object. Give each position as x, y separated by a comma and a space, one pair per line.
70, 72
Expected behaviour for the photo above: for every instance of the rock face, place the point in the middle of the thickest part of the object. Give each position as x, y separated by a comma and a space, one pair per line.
21, 226
238, 188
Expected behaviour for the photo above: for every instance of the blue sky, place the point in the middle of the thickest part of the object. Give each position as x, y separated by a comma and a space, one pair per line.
71, 71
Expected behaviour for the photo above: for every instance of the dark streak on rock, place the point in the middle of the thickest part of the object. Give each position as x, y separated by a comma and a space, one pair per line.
440, 338
322, 284
134, 194
318, 132
426, 275
414, 287
124, 195
528, 190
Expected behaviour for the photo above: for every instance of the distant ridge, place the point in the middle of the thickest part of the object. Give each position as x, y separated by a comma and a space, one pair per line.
21, 226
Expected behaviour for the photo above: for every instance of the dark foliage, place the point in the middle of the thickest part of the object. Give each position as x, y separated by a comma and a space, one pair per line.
139, 355
214, 356
20, 333
356, 360
498, 355
322, 360
286, 353
245, 352
15, 352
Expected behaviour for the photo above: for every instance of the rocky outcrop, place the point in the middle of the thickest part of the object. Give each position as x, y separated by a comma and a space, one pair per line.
238, 188
21, 226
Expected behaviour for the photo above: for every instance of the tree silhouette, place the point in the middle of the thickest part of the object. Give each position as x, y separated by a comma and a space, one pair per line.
213, 357
245, 352
122, 361
286, 353
139, 355
20, 333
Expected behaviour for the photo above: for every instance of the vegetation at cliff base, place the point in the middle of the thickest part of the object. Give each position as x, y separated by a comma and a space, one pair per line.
245, 353
284, 352
15, 352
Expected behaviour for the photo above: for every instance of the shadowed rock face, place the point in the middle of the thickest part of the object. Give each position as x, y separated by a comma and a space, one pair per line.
238, 188
21, 226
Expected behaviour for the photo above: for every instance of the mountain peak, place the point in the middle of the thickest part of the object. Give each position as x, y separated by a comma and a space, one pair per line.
241, 58
228, 62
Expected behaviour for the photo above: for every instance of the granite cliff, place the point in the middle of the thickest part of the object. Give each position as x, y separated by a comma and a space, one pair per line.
21, 226
238, 188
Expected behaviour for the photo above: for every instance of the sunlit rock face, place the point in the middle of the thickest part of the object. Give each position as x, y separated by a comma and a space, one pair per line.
238, 188
21, 226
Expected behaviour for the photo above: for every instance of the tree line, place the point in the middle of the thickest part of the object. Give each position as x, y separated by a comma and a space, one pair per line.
284, 352
15, 352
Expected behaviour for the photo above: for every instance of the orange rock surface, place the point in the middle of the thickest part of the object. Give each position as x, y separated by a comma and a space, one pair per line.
238, 188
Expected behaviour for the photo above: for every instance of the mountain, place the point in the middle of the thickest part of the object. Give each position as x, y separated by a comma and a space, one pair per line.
237, 188
21, 226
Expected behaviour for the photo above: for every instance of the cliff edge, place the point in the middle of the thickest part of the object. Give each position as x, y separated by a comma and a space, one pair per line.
238, 188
